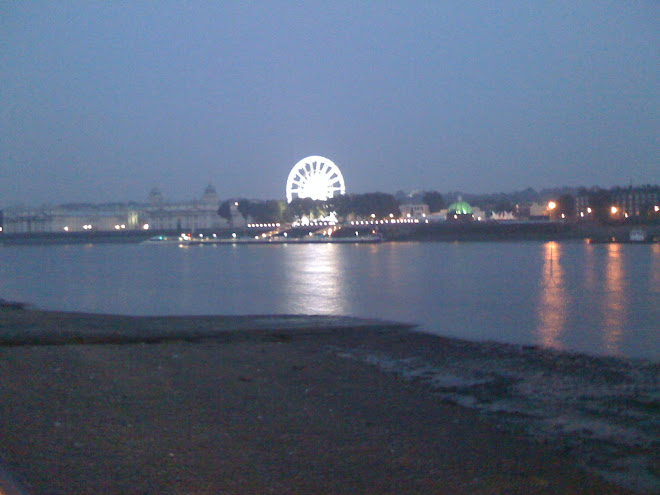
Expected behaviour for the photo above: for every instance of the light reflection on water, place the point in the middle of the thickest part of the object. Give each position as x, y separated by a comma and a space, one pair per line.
601, 299
314, 281
553, 301
614, 302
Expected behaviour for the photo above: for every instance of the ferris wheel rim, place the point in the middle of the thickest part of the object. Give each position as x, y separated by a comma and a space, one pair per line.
312, 168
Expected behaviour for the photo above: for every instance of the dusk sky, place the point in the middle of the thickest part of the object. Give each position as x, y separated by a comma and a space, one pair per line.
101, 101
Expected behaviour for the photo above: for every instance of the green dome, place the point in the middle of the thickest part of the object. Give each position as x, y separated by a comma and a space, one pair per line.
459, 208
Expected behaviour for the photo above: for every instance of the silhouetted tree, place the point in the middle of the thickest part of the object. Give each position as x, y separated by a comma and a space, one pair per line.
225, 210
434, 200
341, 205
503, 205
301, 207
566, 206
600, 202
244, 207
381, 205
266, 211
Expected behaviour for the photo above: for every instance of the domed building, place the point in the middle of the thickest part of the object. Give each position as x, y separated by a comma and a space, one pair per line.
190, 215
155, 198
460, 211
210, 197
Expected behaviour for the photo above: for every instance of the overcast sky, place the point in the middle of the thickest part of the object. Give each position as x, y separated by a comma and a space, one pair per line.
101, 101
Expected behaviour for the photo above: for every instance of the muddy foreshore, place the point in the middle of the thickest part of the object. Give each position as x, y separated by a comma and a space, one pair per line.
311, 404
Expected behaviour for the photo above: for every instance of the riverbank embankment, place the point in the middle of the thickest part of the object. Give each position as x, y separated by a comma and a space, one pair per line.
259, 404
438, 231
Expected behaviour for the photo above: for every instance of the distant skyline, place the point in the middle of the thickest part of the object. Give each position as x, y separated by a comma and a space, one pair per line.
103, 101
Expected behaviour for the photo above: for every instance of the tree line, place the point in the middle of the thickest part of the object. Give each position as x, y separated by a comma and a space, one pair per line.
369, 205
381, 205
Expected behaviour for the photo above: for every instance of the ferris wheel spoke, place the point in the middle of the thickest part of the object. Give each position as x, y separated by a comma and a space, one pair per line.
314, 177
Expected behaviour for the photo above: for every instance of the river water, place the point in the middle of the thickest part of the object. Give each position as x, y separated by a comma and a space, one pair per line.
599, 299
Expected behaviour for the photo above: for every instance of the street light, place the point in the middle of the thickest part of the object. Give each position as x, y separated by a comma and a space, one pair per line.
614, 209
552, 205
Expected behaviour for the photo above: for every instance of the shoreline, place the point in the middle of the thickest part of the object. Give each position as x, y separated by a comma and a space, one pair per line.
540, 231
303, 404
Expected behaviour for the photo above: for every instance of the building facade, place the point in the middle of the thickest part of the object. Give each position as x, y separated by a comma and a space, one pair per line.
628, 201
156, 214
414, 211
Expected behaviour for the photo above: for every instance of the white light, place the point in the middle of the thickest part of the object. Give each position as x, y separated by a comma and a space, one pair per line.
233, 235
66, 229
588, 210
117, 227
145, 226
314, 177
285, 234
215, 235
656, 208
123, 226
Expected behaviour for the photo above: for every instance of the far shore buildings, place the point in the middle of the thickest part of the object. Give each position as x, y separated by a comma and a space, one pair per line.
158, 214
155, 214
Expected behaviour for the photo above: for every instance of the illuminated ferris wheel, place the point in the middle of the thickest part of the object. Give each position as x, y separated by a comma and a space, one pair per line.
314, 177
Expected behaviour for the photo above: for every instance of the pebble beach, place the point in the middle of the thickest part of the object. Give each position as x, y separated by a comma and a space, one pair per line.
289, 404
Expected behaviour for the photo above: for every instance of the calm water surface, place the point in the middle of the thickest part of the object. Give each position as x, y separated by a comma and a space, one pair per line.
599, 299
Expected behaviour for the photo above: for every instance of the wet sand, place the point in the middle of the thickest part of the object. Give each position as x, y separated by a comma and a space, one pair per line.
206, 405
